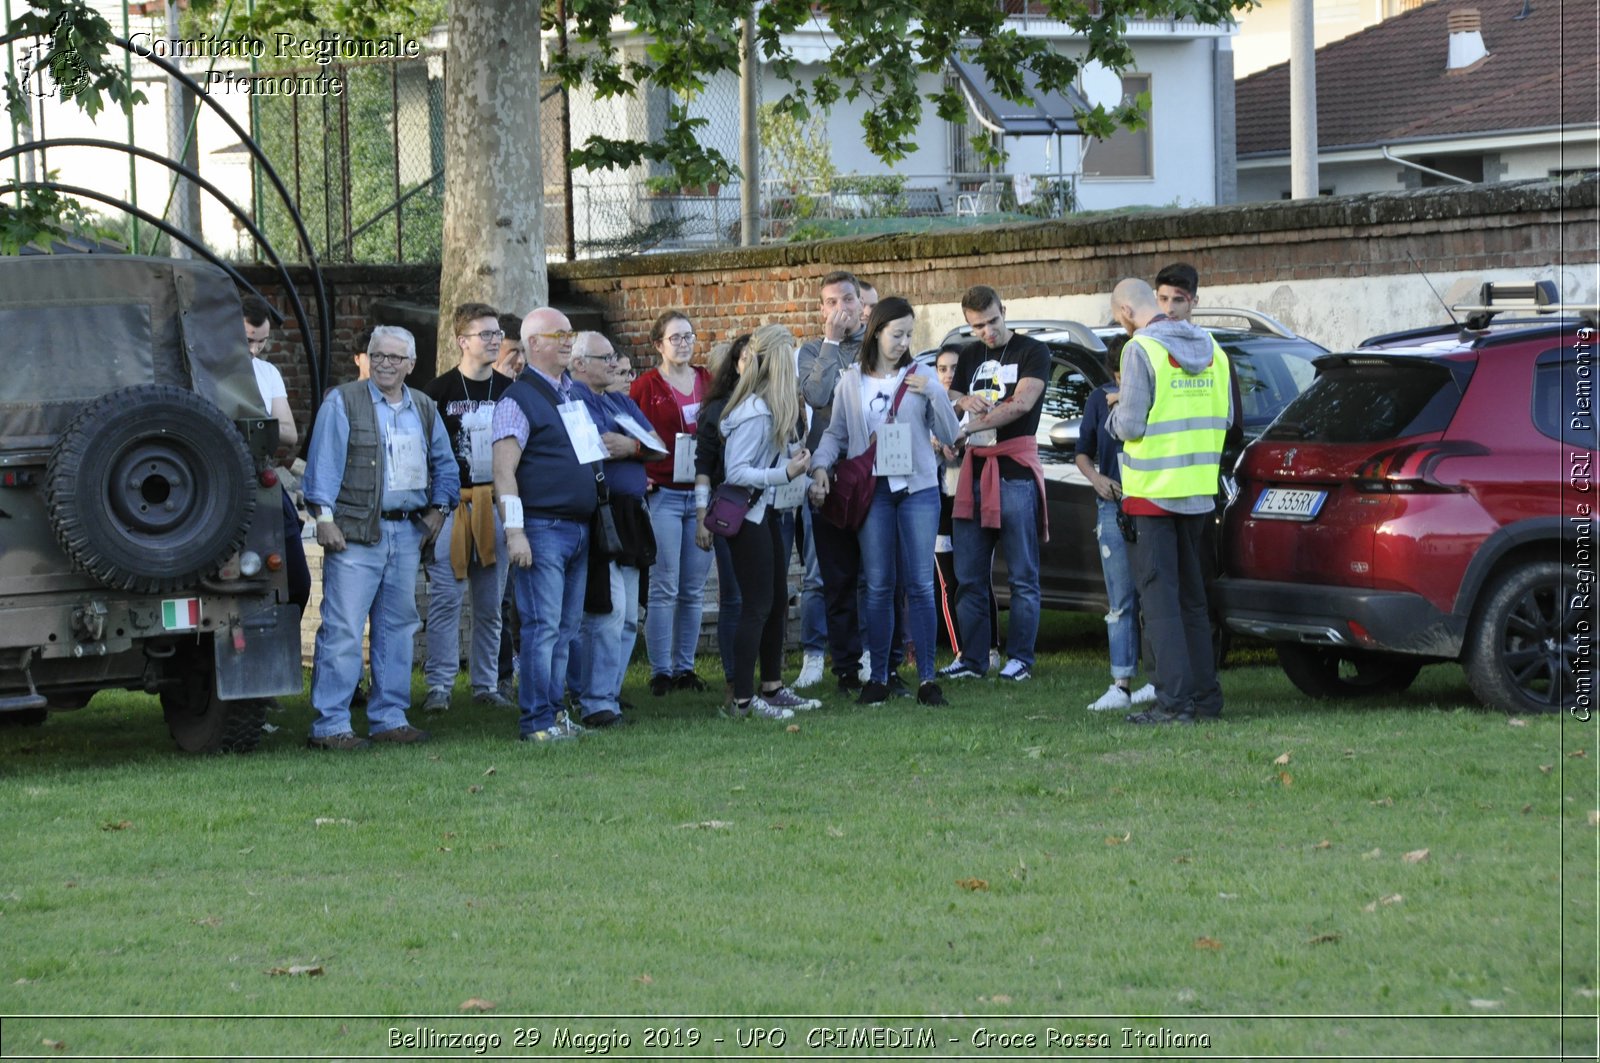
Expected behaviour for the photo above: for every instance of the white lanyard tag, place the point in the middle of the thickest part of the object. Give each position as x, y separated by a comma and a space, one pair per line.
581, 432
691, 413
683, 450
894, 457
405, 462
791, 494
476, 426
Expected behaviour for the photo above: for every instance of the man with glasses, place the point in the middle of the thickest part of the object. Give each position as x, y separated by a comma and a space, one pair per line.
257, 330
611, 620
547, 498
380, 479
471, 545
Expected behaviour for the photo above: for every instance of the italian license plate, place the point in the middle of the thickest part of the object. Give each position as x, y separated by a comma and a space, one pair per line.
1286, 503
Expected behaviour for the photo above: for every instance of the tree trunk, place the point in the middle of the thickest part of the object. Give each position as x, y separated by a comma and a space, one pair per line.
494, 246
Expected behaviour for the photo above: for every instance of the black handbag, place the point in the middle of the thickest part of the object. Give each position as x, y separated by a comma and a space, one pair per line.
603, 537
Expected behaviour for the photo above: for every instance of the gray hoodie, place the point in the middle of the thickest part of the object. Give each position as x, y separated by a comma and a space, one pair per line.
847, 430
1191, 346
748, 456
819, 363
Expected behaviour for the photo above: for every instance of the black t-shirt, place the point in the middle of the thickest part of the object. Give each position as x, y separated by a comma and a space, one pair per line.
457, 396
1032, 359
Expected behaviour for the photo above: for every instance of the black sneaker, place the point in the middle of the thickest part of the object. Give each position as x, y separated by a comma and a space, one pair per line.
959, 669
688, 681
930, 694
603, 718
897, 686
1159, 716
660, 684
849, 684
874, 694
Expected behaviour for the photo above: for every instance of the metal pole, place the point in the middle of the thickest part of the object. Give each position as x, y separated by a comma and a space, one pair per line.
566, 141
1303, 181
133, 172
749, 134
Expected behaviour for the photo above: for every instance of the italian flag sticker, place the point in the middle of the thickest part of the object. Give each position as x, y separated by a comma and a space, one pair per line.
180, 614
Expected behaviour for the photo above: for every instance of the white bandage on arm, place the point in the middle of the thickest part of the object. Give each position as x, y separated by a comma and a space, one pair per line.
511, 511
702, 496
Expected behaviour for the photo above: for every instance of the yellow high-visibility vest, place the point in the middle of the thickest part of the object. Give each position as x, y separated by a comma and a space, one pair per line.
1180, 455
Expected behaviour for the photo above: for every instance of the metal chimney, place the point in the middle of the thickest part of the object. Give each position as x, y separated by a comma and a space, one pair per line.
1466, 38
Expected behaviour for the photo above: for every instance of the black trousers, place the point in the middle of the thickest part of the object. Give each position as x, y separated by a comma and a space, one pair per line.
1169, 569
294, 556
839, 559
759, 569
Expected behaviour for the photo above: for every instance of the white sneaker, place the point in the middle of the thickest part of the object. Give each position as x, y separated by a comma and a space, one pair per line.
1115, 699
1016, 671
1144, 694
810, 671
865, 672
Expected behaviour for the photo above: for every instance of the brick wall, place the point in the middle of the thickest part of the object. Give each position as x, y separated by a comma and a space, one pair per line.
1455, 230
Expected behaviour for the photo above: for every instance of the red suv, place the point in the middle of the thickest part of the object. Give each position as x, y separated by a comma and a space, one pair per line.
1430, 497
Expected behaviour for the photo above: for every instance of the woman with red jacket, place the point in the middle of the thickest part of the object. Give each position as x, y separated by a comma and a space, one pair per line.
670, 396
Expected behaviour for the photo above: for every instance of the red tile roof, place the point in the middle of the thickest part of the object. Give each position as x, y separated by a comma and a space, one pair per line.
1388, 83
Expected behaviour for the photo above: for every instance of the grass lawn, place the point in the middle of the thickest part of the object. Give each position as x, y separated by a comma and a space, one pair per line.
1413, 877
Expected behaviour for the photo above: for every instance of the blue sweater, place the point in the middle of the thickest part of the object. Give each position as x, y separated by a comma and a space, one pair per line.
550, 480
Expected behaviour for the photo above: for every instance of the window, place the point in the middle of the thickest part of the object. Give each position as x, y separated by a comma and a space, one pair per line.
1064, 399
1563, 396
1126, 153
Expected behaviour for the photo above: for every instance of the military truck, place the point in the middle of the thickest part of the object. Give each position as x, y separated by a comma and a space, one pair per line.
141, 530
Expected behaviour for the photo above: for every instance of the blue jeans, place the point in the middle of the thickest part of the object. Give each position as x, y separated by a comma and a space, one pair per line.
1018, 536
550, 601
605, 644
1122, 620
813, 613
897, 550
443, 640
677, 583
380, 578
729, 604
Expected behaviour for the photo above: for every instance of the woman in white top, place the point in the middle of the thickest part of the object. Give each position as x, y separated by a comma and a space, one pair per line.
889, 397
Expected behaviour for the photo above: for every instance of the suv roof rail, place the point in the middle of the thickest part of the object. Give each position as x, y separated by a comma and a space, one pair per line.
1255, 319
1498, 297
1081, 334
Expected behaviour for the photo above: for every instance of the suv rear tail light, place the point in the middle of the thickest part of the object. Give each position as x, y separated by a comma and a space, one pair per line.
1409, 469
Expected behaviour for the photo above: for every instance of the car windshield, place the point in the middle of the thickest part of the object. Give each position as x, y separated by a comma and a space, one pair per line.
1271, 373
1369, 401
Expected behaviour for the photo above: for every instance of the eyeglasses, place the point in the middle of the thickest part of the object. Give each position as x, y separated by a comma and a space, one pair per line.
385, 358
488, 335
681, 339
564, 336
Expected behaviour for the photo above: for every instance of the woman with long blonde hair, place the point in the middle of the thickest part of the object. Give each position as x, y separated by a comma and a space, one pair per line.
762, 449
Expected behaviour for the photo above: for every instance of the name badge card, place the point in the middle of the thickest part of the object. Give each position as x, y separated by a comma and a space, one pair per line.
640, 432
406, 462
791, 494
894, 457
1008, 374
476, 426
683, 448
691, 413
581, 432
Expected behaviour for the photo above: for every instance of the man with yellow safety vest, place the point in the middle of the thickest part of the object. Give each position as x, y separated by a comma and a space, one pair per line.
1172, 414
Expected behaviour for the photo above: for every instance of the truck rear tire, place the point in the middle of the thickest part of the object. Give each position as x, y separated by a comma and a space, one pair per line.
201, 722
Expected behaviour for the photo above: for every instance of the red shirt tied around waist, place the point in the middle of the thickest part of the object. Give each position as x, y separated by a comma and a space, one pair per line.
670, 397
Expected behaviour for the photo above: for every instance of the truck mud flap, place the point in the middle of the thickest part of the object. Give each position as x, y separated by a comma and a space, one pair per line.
261, 657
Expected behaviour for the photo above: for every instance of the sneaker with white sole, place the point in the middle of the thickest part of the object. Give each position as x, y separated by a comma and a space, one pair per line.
810, 671
1016, 671
567, 726
437, 700
1115, 699
759, 708
784, 698
1144, 695
959, 669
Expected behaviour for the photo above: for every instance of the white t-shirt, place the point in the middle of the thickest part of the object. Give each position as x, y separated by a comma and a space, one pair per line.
269, 381
877, 395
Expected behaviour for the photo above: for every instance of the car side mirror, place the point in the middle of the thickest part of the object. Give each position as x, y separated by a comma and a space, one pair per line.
1064, 434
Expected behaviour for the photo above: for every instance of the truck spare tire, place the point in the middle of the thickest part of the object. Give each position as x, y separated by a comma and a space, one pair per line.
150, 489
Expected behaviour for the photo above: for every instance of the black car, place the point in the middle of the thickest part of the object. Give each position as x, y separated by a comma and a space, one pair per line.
1273, 366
